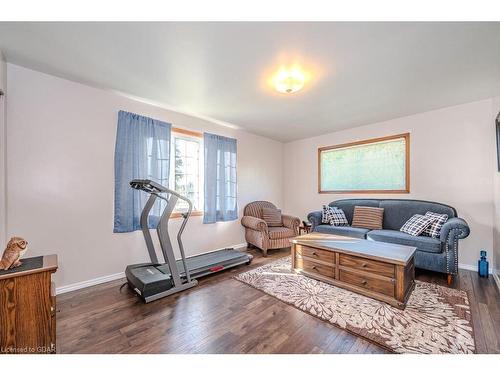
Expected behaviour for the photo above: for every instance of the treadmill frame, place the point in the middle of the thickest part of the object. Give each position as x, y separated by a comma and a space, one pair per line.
156, 191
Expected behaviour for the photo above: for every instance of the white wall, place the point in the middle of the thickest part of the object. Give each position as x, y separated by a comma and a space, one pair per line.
61, 138
451, 162
496, 181
3, 149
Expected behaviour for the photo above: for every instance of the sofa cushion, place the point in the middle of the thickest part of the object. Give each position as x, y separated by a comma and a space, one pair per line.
368, 217
397, 212
426, 244
342, 231
276, 233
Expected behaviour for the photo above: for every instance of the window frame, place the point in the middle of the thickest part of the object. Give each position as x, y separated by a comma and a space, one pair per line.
406, 190
189, 134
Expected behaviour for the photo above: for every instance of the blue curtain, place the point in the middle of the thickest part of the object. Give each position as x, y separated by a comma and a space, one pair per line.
220, 179
142, 151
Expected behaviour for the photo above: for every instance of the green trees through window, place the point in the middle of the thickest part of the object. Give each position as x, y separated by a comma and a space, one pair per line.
377, 165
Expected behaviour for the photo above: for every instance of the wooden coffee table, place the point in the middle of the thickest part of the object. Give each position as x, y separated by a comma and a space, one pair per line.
379, 270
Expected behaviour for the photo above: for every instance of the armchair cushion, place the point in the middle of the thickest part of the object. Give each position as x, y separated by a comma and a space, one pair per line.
272, 216
276, 233
254, 223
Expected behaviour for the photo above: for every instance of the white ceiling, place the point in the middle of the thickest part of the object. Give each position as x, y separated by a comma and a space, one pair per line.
361, 72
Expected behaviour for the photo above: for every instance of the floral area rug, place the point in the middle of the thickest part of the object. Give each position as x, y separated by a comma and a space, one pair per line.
436, 319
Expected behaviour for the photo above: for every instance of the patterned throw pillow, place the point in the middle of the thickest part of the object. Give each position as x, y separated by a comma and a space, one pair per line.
338, 218
326, 214
367, 217
333, 216
272, 217
434, 230
417, 224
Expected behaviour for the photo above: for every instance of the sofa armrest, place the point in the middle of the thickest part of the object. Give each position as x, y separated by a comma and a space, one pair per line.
315, 219
254, 223
457, 227
291, 222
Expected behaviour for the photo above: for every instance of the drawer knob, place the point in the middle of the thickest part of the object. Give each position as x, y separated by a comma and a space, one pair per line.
364, 265
314, 253
364, 282
314, 267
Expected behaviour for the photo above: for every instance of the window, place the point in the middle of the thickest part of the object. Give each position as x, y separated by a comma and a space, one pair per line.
186, 169
373, 166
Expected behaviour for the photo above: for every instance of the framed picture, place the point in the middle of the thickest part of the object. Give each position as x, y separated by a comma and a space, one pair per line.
498, 140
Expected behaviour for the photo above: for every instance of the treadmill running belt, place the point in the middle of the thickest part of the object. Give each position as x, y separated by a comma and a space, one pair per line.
204, 262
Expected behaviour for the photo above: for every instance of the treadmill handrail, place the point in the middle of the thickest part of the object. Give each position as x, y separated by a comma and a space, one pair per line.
157, 190
164, 222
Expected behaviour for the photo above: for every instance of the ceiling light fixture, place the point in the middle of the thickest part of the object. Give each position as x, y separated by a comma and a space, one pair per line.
289, 80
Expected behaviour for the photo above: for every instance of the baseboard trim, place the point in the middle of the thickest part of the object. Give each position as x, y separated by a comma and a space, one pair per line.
496, 277
473, 268
87, 283
116, 276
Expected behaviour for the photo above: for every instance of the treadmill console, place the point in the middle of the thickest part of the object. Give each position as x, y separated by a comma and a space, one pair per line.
147, 185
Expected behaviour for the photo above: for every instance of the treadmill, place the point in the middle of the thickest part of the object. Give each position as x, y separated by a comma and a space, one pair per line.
155, 280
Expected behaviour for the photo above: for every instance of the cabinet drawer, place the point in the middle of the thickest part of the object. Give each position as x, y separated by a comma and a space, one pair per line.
372, 266
310, 252
375, 285
314, 267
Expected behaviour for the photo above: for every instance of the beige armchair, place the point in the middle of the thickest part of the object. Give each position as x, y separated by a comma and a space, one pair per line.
258, 234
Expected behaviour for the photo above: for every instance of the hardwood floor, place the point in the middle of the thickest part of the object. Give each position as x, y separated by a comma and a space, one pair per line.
223, 315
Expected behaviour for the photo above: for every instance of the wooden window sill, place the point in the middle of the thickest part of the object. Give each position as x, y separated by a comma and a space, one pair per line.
175, 215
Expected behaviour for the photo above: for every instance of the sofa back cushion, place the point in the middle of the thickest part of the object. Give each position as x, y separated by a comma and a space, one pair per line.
396, 211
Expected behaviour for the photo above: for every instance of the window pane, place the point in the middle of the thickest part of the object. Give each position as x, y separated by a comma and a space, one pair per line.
192, 149
187, 170
192, 165
180, 147
370, 166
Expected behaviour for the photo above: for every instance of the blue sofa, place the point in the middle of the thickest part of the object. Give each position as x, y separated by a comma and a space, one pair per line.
434, 254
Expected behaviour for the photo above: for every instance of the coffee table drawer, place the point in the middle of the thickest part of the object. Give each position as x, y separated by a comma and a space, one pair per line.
314, 267
371, 266
375, 285
310, 252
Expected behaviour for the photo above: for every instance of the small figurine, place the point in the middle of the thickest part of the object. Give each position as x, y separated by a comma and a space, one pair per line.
12, 254
482, 264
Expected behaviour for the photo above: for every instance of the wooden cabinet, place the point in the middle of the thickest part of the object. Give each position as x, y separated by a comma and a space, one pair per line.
372, 273
28, 309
